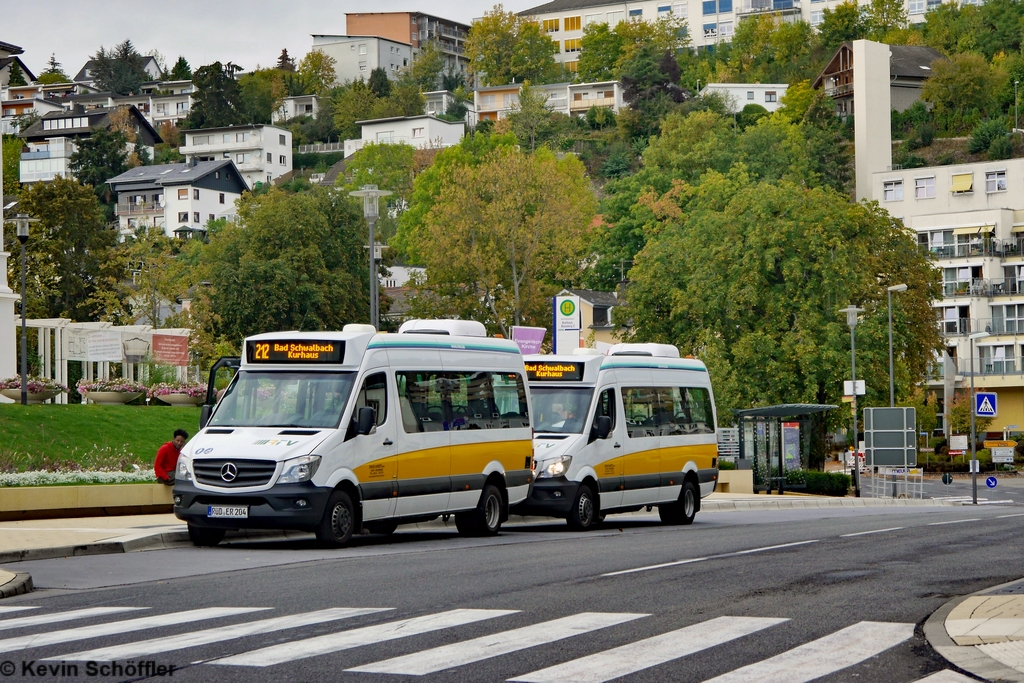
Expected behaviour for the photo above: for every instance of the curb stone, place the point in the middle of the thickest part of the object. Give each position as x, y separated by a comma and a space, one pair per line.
19, 585
968, 658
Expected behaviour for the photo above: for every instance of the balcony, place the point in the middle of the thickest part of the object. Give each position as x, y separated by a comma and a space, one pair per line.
132, 209
1005, 286
767, 6
583, 105
253, 143
840, 90
961, 327
987, 247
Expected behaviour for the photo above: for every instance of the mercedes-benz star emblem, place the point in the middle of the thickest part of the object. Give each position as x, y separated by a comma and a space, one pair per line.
229, 471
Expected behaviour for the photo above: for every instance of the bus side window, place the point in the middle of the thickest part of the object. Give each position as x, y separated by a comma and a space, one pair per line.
373, 394
422, 400
698, 402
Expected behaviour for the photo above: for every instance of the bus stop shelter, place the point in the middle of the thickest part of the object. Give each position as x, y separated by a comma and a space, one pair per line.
775, 440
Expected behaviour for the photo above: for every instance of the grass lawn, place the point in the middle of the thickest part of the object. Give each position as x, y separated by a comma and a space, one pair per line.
89, 436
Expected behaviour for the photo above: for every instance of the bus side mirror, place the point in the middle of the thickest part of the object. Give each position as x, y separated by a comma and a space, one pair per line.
604, 426
366, 420
204, 416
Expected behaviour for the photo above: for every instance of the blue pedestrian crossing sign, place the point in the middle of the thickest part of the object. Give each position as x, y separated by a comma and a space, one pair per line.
985, 404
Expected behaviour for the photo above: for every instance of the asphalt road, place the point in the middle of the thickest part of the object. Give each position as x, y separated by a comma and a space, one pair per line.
747, 601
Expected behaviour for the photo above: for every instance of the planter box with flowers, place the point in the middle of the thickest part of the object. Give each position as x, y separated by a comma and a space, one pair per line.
179, 393
110, 391
39, 389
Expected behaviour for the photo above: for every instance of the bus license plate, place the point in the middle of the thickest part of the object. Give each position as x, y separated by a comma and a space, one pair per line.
224, 511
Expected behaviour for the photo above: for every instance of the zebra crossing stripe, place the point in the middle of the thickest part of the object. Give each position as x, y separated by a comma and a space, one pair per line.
823, 656
368, 635
485, 647
126, 626
8, 610
945, 676
215, 635
643, 654
23, 622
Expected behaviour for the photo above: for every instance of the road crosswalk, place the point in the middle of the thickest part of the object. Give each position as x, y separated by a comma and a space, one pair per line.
347, 629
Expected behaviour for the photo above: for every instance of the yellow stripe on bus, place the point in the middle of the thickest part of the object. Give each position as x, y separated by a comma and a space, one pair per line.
448, 460
471, 458
657, 460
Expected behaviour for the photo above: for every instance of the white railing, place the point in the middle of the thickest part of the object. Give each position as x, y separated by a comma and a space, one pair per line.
322, 148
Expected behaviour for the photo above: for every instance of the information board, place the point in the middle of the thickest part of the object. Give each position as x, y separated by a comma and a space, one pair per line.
292, 351
890, 437
554, 371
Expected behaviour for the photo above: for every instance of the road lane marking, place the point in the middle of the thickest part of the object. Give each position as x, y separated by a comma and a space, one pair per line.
875, 531
956, 521
643, 654
469, 651
1019, 514
23, 622
216, 635
823, 656
8, 610
126, 626
709, 557
368, 635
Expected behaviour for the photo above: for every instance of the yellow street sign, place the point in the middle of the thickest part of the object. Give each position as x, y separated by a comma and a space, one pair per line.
1000, 444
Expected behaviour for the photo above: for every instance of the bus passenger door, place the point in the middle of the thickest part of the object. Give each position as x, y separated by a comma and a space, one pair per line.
378, 465
605, 455
424, 461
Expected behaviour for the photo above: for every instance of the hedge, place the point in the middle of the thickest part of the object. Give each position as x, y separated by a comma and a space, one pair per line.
820, 483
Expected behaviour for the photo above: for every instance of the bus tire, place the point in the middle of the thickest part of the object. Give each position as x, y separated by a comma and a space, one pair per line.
385, 528
205, 537
485, 520
339, 520
584, 513
684, 510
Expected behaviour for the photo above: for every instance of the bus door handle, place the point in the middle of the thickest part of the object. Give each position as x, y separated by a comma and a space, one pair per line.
618, 445
388, 442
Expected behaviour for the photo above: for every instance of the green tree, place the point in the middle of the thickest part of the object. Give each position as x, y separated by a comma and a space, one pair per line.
962, 91
98, 158
216, 101
601, 48
181, 71
285, 62
292, 262
750, 115
504, 47
839, 24
379, 82
120, 70
72, 264
54, 72
260, 93
16, 76
749, 276
316, 71
650, 85
11, 160
427, 66
389, 167
766, 49
156, 274
352, 103
959, 411
504, 235
530, 116
883, 17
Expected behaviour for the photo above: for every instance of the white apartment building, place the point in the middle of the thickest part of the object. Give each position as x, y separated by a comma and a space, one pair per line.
180, 198
261, 152
356, 56
498, 101
739, 95
421, 132
298, 105
708, 21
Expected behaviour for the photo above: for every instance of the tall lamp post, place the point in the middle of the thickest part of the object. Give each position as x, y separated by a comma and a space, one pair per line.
21, 222
370, 194
974, 445
1016, 119
851, 312
892, 380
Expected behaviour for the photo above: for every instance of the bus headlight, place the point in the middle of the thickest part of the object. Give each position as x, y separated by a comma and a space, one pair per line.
555, 468
299, 469
184, 469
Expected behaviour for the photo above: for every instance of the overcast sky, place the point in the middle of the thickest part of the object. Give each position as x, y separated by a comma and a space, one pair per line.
204, 31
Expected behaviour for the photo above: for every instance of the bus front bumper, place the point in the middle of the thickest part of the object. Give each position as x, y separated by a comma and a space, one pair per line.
548, 498
285, 506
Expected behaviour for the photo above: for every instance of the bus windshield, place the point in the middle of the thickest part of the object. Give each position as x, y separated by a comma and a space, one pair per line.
560, 410
284, 399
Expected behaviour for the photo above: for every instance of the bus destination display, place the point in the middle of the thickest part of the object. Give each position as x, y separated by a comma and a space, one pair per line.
295, 351
554, 371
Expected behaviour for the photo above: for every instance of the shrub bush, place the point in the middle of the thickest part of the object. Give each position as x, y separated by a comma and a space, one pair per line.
1001, 148
820, 483
726, 465
984, 134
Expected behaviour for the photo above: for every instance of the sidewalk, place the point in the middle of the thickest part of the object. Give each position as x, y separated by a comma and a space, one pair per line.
983, 633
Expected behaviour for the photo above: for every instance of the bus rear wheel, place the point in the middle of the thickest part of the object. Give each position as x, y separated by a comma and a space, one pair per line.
485, 520
205, 537
682, 511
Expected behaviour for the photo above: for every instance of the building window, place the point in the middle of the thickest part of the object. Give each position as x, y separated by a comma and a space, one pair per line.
724, 6
995, 181
511, 100
270, 157
183, 193
385, 136
217, 175
573, 45
924, 188
962, 183
183, 216
417, 132
241, 158
211, 216
550, 25
195, 216
710, 31
221, 197
241, 137
362, 49
916, 7
195, 194
725, 29
572, 67
572, 23
615, 18
282, 160
486, 101
817, 16
892, 190
226, 137
362, 66
710, 7
280, 138
680, 10
750, 95
635, 13
664, 11
771, 96
592, 19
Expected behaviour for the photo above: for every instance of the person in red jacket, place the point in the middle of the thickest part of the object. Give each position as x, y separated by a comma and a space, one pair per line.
167, 457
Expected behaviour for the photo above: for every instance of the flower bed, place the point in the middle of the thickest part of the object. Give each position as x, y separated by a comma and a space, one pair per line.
44, 478
119, 386
36, 385
179, 393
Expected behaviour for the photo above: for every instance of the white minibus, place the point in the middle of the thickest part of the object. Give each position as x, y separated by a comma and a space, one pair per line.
341, 432
617, 433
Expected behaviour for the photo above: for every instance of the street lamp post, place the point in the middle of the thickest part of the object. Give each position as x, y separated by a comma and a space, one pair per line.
851, 312
974, 438
21, 222
892, 380
370, 194
1016, 119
